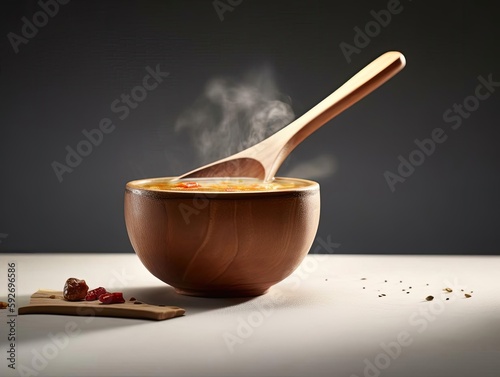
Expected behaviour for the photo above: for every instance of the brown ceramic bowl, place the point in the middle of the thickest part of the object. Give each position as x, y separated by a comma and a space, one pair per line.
221, 244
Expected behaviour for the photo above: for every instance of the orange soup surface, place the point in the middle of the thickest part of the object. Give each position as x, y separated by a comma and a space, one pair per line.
225, 185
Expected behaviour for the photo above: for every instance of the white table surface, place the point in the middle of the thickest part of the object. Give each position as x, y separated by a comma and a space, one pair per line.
318, 322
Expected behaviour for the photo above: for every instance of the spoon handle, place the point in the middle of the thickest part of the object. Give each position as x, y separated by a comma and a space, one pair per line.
364, 82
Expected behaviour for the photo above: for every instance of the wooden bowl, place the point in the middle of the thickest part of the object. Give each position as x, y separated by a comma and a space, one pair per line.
221, 244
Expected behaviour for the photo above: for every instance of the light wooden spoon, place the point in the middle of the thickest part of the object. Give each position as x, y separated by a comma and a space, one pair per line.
263, 160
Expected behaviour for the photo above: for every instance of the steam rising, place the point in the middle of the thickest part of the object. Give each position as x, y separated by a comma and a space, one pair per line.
322, 166
231, 116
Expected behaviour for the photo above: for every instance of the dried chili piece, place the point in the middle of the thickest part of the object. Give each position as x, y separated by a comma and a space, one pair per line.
112, 298
94, 294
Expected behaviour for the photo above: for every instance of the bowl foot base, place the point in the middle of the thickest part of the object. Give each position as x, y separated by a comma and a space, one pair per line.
222, 293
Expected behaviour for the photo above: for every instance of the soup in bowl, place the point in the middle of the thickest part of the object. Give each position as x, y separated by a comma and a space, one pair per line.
216, 237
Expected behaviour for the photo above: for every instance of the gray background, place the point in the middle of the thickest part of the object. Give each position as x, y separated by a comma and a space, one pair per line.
66, 77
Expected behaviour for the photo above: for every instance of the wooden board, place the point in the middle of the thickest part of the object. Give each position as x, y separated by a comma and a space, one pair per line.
52, 302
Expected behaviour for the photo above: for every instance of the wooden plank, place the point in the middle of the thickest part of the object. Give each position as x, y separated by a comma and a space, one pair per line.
52, 302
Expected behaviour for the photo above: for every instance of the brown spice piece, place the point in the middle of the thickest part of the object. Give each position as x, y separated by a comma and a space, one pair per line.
448, 290
137, 303
467, 295
132, 299
3, 305
52, 296
363, 278
429, 298
75, 289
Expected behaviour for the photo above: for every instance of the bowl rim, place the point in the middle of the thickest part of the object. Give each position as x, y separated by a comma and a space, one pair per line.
134, 187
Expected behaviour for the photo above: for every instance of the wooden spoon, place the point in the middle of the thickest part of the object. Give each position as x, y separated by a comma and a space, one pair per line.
263, 160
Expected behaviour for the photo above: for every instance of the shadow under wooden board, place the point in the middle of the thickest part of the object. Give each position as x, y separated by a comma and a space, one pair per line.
52, 302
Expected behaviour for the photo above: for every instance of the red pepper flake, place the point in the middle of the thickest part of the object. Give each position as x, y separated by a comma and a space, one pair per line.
188, 185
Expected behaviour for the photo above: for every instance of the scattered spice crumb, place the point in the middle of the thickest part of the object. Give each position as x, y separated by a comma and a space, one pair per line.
385, 281
363, 278
326, 279
52, 296
364, 287
3, 305
132, 299
137, 303
407, 293
467, 295
383, 294
427, 284
462, 290
448, 290
161, 305
404, 290
401, 281
409, 287
429, 298
447, 298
